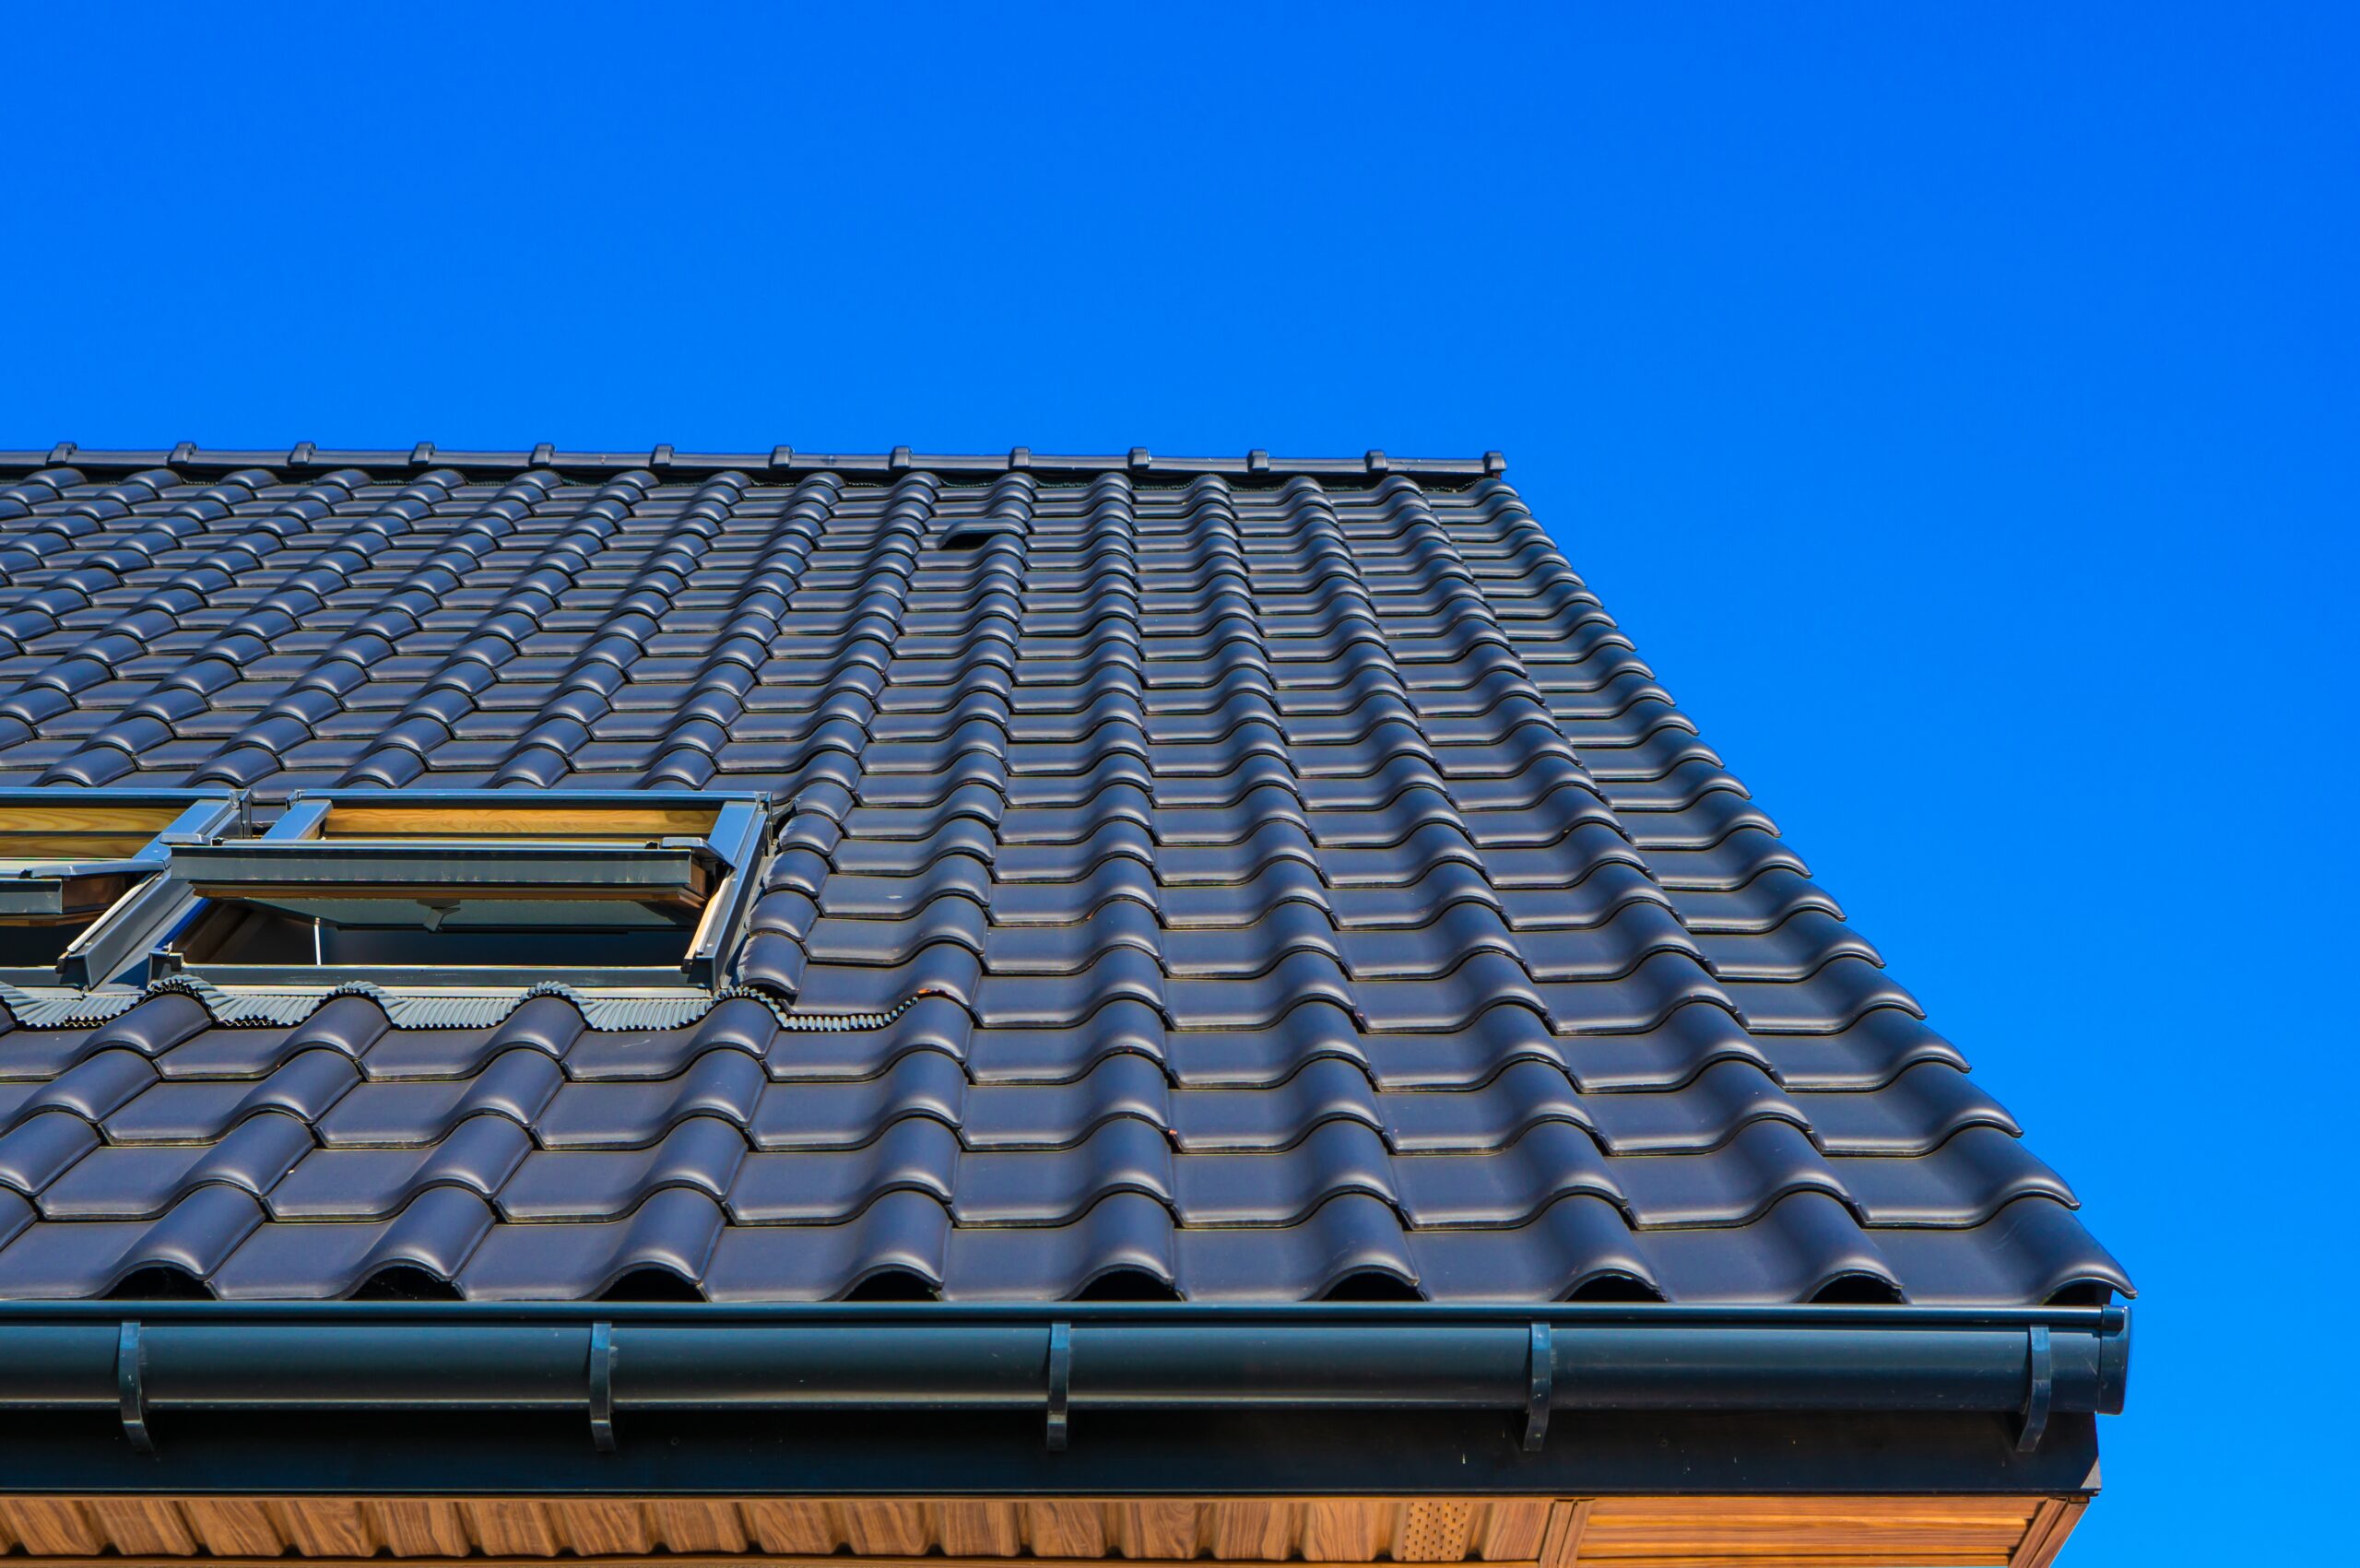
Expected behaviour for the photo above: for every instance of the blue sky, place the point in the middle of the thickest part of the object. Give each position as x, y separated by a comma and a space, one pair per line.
1956, 402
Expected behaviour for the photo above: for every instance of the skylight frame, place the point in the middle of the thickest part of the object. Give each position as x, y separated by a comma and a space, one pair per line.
698, 851
54, 889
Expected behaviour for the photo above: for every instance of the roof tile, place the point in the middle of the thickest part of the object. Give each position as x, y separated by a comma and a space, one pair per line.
1244, 887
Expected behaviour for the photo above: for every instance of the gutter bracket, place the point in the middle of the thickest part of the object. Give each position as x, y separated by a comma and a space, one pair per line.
602, 1386
131, 1391
1060, 1383
1542, 1371
2039, 1389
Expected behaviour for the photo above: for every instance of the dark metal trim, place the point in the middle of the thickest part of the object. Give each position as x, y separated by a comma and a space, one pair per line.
479, 1399
864, 1357
733, 1451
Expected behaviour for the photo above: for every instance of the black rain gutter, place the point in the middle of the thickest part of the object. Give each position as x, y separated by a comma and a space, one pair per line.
605, 1358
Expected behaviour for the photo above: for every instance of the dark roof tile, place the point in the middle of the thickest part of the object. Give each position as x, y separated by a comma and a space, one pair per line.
1241, 887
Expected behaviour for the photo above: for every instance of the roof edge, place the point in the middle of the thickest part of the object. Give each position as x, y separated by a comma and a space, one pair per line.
779, 462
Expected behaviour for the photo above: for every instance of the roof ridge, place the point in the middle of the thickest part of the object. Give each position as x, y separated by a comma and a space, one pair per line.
309, 457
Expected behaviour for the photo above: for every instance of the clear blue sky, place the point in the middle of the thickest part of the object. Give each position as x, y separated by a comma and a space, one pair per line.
1956, 402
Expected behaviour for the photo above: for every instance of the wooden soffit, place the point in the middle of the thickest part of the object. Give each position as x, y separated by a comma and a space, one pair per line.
1521, 1532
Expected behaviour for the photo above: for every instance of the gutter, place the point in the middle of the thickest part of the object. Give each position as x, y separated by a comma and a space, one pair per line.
602, 1358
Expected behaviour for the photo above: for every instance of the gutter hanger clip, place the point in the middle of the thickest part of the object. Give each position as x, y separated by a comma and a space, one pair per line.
131, 1390
1060, 1383
2039, 1388
1542, 1369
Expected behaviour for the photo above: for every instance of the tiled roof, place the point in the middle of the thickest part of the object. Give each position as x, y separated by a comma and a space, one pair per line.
1259, 884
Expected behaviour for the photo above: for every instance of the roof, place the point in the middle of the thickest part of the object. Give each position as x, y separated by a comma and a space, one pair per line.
1232, 881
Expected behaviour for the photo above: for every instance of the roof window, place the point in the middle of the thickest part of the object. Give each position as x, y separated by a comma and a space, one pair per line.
73, 859
468, 888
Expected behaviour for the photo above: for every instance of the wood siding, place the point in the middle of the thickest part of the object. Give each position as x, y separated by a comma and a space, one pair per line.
1633, 1532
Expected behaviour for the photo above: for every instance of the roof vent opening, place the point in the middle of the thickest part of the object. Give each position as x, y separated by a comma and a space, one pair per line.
2083, 1292
406, 1282
1857, 1290
1127, 1285
1373, 1285
651, 1284
893, 1285
1613, 1286
160, 1282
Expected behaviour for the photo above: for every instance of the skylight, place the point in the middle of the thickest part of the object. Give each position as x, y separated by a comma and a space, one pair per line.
641, 887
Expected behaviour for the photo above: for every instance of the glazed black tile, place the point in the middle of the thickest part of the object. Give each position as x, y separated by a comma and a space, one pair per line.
83, 1258
1056, 1187
517, 1084
1057, 1115
903, 1235
1053, 1055
2032, 1250
1837, 995
91, 1088
141, 1180
200, 1111
671, 1234
1577, 1246
806, 1115
1761, 905
830, 1186
432, 1236
1125, 1235
39, 1149
1914, 1113
1803, 1247
1732, 1185
374, 1184
702, 1151
1273, 1116
1964, 1181
1352, 1236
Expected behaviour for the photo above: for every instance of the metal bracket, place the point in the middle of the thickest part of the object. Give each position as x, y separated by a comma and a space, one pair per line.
1060, 1383
2041, 1387
131, 1391
602, 1386
1541, 1370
